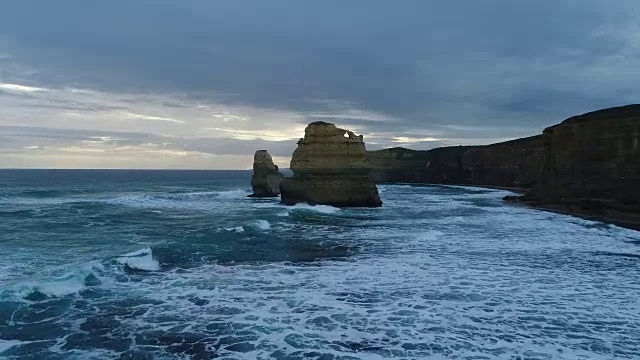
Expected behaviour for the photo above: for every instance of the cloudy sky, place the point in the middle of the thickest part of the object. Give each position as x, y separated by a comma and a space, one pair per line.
203, 84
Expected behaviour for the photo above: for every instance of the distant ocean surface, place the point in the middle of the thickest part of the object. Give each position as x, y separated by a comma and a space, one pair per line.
182, 265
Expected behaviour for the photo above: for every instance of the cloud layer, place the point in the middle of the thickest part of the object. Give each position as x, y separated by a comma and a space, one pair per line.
202, 84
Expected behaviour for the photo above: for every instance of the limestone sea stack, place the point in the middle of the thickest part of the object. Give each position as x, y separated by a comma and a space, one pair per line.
330, 167
266, 178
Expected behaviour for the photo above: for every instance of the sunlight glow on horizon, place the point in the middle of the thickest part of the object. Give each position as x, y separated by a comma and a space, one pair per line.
20, 88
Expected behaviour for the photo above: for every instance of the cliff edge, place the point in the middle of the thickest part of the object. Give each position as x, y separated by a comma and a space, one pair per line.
592, 166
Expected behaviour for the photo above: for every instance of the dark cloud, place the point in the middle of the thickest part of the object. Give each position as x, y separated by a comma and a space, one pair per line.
506, 68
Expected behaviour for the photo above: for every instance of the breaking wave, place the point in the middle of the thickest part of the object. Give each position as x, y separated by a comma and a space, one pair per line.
238, 229
263, 225
140, 260
325, 209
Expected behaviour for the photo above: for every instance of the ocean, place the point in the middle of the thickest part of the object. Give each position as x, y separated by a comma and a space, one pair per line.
98, 264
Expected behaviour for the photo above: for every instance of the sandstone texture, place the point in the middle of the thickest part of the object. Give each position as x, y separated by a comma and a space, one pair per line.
511, 164
266, 178
592, 163
330, 167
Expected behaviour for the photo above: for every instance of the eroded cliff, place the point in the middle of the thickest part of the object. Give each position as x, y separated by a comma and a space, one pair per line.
592, 162
513, 164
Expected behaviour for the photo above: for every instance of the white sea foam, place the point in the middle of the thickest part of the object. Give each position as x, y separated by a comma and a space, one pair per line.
155, 202
237, 229
233, 194
140, 260
407, 304
203, 200
8, 344
226, 194
496, 283
325, 209
266, 204
67, 284
70, 284
263, 225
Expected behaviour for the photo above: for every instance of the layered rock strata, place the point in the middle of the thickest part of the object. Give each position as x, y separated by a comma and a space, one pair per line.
592, 165
266, 178
330, 167
511, 164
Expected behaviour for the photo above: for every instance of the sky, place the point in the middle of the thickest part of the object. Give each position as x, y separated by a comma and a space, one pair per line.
202, 84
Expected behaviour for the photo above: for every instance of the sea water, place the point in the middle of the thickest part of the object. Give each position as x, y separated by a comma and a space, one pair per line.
183, 265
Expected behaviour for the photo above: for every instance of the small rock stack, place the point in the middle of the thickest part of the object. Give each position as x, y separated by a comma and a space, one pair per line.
330, 167
266, 177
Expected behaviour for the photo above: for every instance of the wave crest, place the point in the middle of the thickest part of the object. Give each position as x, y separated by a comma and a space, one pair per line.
140, 260
70, 283
325, 209
263, 225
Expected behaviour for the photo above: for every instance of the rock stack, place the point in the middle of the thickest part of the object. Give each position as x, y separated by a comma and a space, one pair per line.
330, 167
266, 177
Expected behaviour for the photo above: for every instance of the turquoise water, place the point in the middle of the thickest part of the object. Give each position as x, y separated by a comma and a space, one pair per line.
182, 265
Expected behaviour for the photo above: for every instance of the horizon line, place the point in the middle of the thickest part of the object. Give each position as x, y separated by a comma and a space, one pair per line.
124, 169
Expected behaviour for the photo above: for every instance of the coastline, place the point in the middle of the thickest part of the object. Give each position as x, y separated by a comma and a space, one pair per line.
626, 220
516, 190
494, 187
585, 166
622, 219
618, 218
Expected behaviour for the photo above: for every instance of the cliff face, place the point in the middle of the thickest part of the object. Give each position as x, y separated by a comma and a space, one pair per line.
330, 167
266, 178
587, 165
398, 165
513, 163
593, 161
